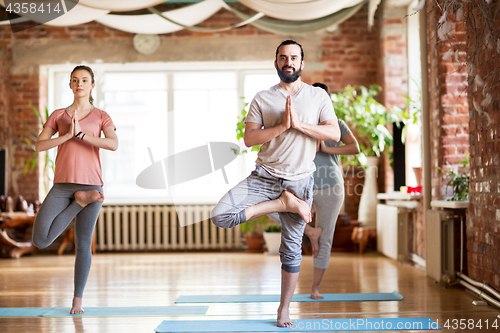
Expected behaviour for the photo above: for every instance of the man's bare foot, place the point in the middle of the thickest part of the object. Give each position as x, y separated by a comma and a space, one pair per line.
83, 198
284, 318
313, 234
77, 306
295, 205
315, 293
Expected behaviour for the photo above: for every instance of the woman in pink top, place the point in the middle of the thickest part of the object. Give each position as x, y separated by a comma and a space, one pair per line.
77, 190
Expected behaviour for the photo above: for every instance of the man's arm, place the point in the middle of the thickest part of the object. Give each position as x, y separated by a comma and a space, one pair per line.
327, 130
256, 135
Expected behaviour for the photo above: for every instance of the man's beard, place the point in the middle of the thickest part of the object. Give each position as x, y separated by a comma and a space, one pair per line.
288, 78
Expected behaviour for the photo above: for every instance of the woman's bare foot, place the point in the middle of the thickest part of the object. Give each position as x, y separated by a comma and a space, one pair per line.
315, 293
77, 306
313, 234
83, 198
284, 318
295, 205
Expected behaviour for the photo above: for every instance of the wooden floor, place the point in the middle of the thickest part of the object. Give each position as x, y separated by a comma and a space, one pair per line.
157, 279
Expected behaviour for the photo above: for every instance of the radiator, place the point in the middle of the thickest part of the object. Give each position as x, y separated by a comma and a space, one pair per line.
441, 257
161, 227
392, 232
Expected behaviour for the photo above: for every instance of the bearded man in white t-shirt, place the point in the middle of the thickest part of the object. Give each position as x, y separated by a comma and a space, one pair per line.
287, 120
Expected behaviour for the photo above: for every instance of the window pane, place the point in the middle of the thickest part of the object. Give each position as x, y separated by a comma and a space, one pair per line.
140, 117
204, 112
131, 81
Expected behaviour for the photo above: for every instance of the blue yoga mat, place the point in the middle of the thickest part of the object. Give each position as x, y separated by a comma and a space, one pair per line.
394, 296
137, 311
301, 325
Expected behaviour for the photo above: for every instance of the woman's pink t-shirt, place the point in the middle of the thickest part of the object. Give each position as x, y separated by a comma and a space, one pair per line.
78, 161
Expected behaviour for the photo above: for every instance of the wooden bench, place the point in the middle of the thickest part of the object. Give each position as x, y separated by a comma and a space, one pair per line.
9, 222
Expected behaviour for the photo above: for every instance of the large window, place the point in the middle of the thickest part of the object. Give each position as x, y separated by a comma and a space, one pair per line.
166, 109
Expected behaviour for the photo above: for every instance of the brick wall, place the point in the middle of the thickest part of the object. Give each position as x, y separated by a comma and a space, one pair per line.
351, 53
448, 98
5, 94
483, 220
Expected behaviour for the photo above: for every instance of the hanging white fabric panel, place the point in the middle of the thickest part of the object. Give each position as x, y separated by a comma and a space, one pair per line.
293, 27
119, 5
298, 10
154, 24
372, 8
78, 15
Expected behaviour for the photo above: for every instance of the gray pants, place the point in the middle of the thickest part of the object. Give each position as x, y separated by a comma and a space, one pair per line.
56, 213
328, 203
260, 186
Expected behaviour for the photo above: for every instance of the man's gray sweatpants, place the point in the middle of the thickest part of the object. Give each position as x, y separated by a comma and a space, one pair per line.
261, 186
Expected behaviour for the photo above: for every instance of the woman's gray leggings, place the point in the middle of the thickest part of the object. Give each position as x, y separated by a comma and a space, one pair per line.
328, 203
56, 213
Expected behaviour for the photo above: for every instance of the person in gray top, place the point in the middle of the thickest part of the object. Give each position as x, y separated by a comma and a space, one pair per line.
328, 197
287, 120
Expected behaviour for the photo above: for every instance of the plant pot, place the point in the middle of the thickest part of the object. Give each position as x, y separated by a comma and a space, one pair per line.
273, 242
255, 243
367, 212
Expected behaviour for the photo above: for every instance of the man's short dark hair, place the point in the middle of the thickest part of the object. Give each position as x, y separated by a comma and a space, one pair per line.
290, 42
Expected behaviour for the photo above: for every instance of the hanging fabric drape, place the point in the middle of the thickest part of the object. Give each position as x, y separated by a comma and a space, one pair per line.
119, 5
154, 24
298, 10
284, 16
372, 8
299, 27
193, 28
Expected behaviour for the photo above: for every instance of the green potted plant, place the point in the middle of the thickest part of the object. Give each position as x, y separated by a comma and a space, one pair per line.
458, 181
272, 237
253, 232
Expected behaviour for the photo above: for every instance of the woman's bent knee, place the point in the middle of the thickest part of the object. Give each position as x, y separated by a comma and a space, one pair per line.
41, 243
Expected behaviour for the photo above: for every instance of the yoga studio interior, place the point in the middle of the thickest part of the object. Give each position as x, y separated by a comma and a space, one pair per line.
416, 243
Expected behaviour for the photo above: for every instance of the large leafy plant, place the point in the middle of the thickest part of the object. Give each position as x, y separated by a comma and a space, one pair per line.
367, 118
240, 129
30, 137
